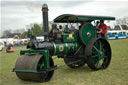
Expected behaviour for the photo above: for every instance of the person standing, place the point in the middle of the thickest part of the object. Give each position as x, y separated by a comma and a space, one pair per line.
98, 29
103, 29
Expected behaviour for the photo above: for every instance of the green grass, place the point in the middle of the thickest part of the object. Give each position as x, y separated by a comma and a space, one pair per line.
115, 74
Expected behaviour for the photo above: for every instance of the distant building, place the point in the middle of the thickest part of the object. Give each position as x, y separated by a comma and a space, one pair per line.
15, 35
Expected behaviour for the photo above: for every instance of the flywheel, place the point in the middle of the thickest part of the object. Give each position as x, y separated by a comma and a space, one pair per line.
87, 32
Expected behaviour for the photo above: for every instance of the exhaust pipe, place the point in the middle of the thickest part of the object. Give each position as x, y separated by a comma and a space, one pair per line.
45, 21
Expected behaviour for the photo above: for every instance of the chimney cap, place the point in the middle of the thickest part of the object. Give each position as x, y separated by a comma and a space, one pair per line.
45, 6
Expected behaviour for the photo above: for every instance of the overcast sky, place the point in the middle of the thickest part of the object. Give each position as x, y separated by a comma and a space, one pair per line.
16, 14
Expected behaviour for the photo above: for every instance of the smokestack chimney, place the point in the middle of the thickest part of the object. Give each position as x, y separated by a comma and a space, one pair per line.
45, 20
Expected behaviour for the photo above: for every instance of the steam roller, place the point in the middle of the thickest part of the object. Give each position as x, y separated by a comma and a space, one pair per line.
75, 42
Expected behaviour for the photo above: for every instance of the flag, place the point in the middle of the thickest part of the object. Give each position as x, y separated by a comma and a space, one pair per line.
108, 21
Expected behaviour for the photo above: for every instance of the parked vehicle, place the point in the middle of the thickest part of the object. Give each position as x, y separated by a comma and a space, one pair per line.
40, 38
1, 45
118, 32
125, 30
112, 35
10, 48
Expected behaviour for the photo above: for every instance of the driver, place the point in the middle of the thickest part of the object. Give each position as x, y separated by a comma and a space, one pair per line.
81, 24
98, 29
103, 28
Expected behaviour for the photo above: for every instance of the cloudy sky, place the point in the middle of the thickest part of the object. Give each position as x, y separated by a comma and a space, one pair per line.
16, 14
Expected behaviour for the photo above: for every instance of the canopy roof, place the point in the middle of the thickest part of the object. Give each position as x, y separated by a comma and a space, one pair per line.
80, 18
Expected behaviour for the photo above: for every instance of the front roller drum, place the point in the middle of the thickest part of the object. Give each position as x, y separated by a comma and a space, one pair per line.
31, 63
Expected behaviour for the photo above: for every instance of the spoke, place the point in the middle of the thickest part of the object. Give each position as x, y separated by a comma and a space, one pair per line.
100, 46
94, 52
99, 54
102, 59
97, 64
96, 44
41, 65
98, 60
95, 56
104, 50
96, 49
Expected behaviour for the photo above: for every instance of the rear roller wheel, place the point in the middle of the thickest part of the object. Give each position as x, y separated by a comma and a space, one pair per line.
98, 53
74, 62
33, 63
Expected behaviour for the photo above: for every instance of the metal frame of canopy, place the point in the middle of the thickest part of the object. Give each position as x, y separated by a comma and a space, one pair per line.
64, 18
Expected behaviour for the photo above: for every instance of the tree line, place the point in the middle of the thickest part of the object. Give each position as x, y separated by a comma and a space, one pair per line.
123, 20
32, 29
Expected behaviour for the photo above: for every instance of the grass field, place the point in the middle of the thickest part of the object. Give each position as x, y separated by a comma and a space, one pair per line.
115, 74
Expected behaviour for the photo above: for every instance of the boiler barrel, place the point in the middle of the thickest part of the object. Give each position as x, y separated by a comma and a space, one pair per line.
65, 48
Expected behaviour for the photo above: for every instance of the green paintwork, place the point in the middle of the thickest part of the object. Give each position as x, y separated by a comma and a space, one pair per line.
87, 28
45, 53
67, 39
66, 18
72, 47
22, 52
19, 70
98, 54
65, 48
